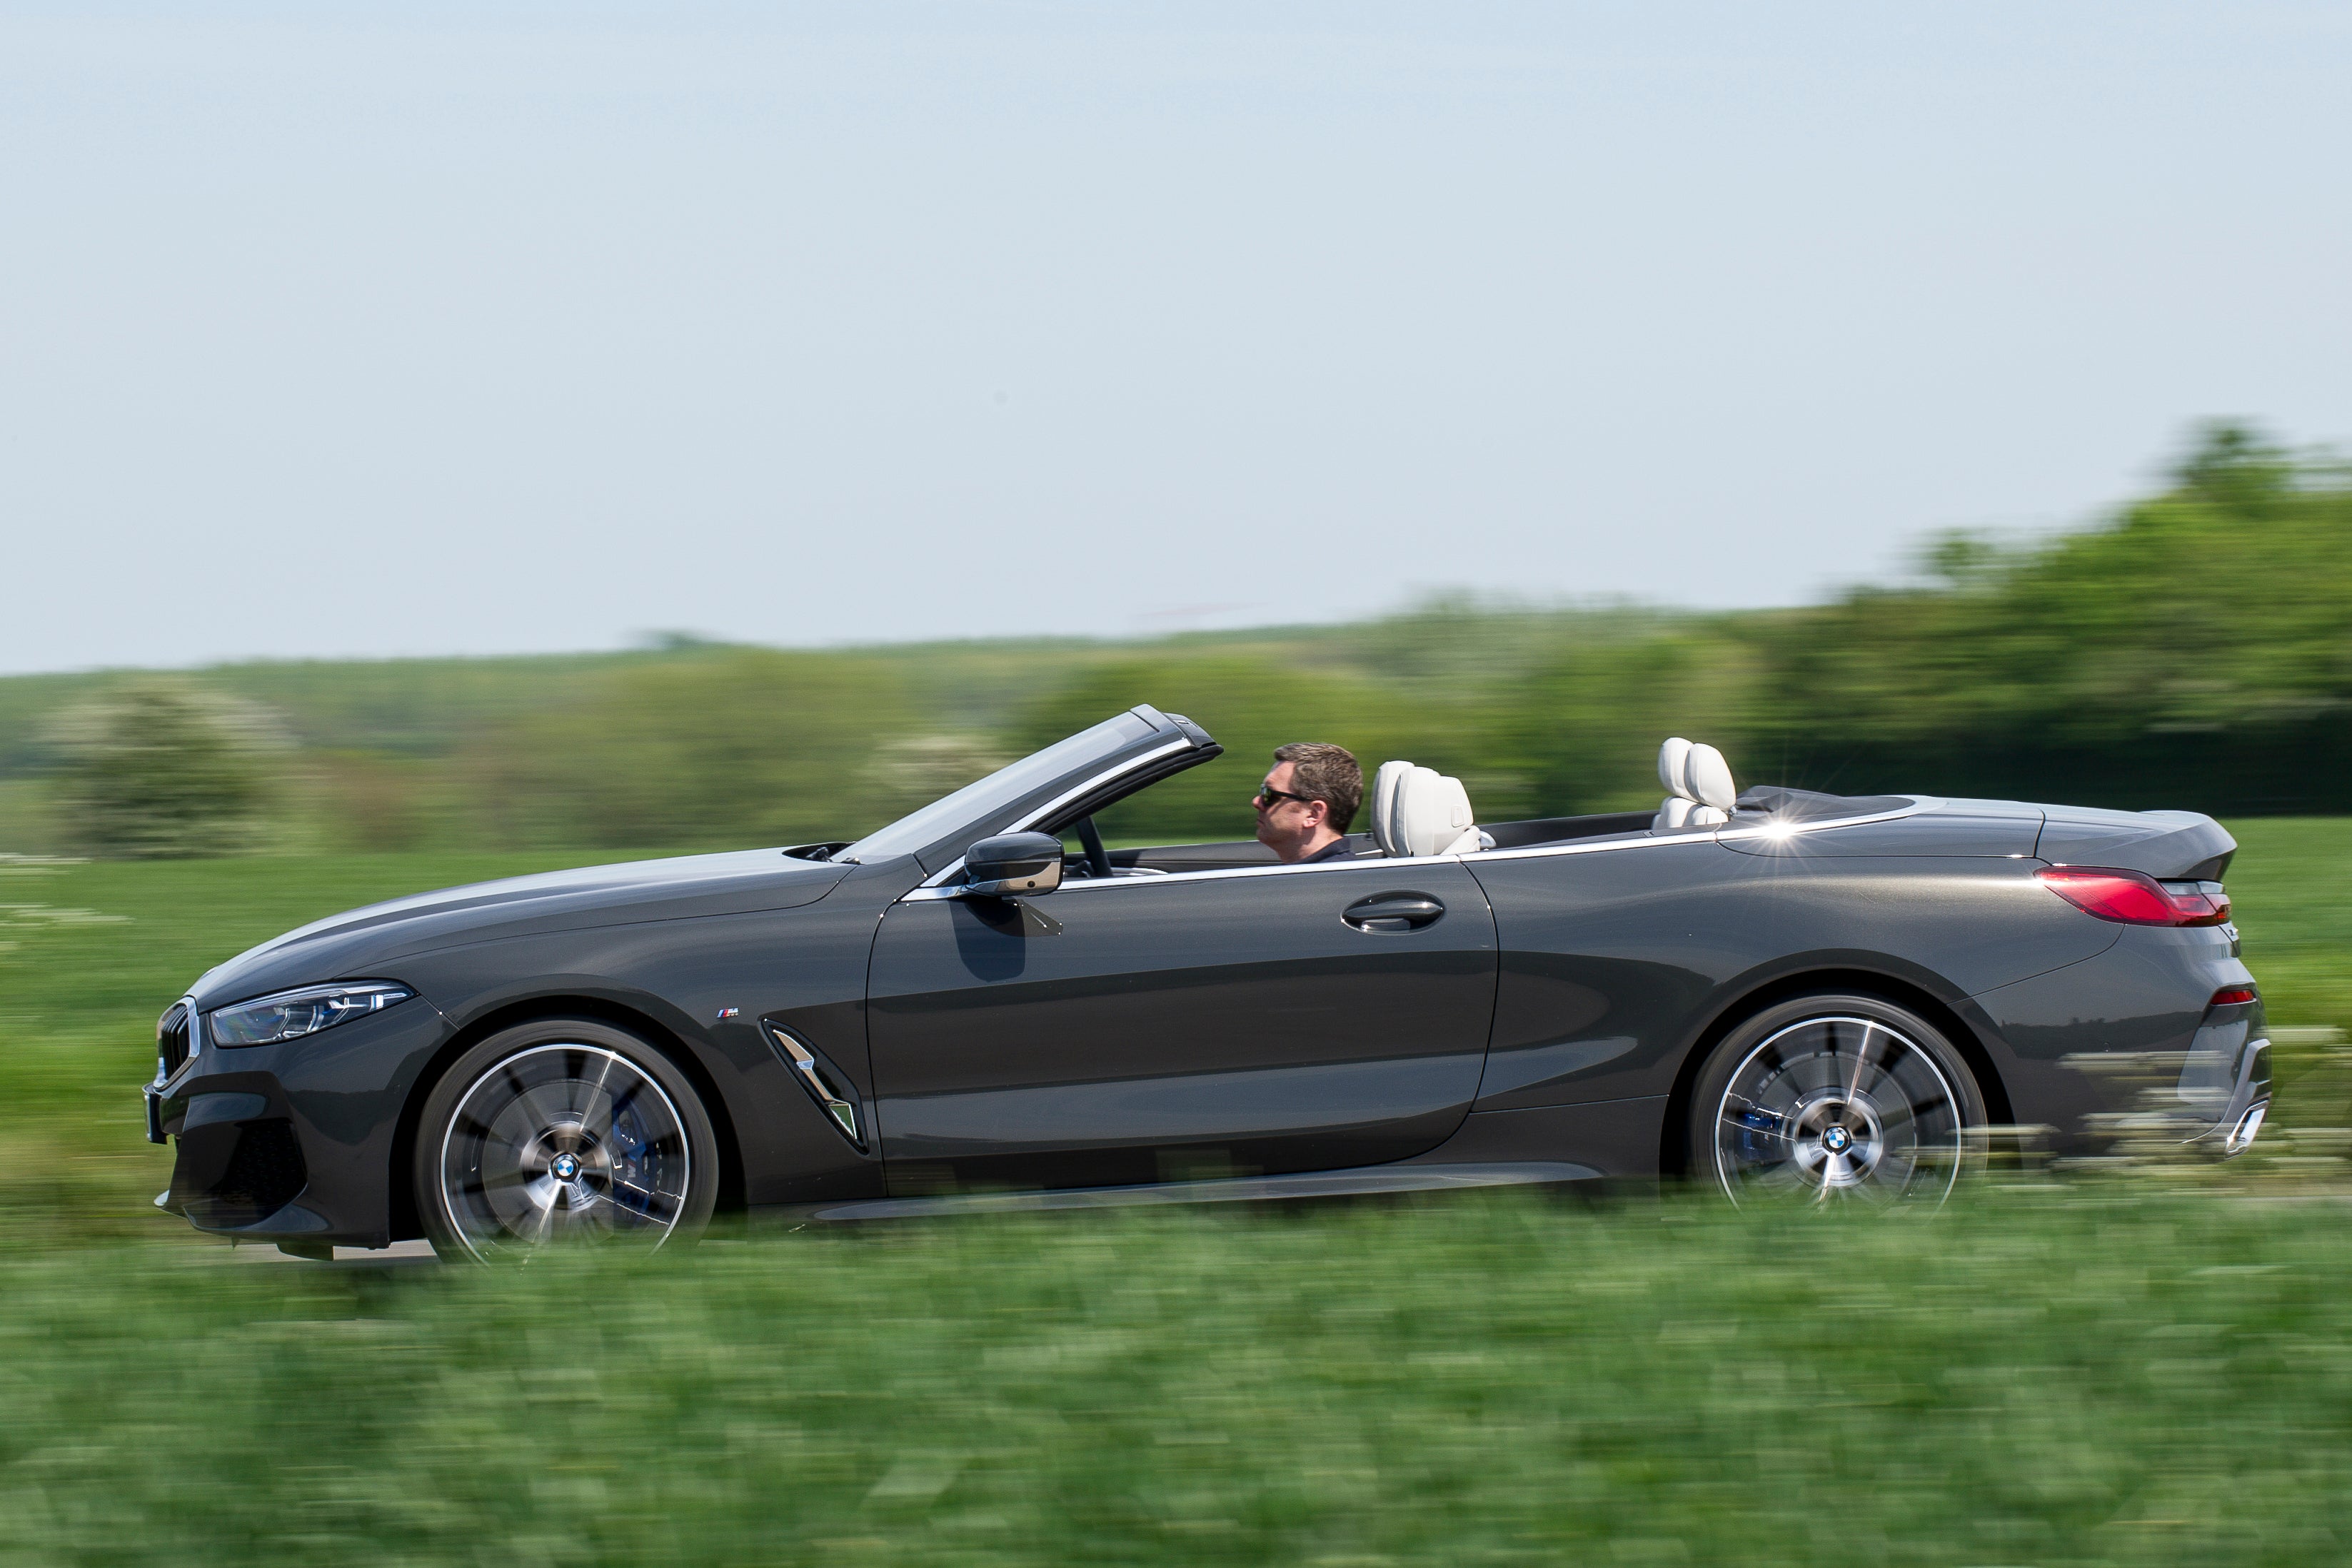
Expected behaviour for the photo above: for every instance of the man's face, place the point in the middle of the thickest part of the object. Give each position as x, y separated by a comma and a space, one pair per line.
1284, 822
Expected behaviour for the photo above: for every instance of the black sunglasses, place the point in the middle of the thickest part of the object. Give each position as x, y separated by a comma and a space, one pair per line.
1273, 796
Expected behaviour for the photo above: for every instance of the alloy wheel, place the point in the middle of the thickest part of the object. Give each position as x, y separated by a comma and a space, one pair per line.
1840, 1109
562, 1143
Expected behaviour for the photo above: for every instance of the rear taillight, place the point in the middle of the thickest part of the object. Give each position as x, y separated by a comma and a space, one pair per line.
2134, 898
2232, 996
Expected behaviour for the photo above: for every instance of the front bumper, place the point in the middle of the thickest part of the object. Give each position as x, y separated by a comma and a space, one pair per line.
295, 1141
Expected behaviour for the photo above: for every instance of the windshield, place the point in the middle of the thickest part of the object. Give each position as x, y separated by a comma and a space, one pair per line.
984, 797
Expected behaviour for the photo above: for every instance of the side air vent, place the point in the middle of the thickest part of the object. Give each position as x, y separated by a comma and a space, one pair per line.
822, 1081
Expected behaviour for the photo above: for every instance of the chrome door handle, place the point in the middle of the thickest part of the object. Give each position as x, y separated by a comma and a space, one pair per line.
1394, 912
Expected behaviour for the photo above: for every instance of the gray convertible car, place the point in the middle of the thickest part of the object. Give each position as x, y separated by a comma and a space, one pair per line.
1788, 996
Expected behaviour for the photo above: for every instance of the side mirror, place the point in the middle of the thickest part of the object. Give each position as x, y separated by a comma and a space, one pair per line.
1012, 863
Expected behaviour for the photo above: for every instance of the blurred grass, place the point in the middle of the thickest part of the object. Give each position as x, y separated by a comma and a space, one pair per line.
91, 951
2101, 1375
2290, 886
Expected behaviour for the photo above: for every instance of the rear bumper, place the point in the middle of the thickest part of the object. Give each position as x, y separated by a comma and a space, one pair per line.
2243, 1064
2126, 1045
295, 1141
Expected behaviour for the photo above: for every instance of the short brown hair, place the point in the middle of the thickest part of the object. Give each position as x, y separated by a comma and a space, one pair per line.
1330, 773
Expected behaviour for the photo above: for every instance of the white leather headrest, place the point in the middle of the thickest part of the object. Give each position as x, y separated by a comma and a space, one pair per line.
1697, 772
1460, 818
1420, 811
1384, 795
1706, 778
1671, 758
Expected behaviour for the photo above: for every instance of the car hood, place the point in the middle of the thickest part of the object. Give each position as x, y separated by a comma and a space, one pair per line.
358, 943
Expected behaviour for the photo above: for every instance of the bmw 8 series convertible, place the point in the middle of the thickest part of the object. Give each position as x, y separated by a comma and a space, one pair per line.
1786, 996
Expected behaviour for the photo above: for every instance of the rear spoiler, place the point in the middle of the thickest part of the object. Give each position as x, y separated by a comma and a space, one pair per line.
2178, 845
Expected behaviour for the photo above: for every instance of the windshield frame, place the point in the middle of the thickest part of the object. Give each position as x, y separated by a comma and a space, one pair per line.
937, 833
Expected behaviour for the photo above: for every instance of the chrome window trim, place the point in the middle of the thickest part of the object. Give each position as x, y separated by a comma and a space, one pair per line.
1919, 802
931, 891
1216, 874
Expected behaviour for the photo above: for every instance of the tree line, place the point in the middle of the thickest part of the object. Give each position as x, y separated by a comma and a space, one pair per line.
2194, 650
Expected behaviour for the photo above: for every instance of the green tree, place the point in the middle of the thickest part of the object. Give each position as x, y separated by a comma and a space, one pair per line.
2196, 651
744, 747
160, 767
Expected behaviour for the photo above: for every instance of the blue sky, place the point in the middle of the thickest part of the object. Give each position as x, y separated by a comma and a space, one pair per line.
380, 329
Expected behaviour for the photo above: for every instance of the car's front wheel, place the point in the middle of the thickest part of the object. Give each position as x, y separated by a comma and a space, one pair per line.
1835, 1099
562, 1131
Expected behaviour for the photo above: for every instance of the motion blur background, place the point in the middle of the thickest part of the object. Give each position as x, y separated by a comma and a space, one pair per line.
2194, 651
438, 442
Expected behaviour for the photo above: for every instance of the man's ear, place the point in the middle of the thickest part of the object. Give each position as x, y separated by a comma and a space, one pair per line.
1318, 812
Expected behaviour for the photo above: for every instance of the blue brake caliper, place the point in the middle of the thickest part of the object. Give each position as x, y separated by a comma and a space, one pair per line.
632, 1145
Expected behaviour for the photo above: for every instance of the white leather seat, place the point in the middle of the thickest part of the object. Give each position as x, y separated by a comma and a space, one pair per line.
1671, 758
1706, 778
1700, 791
1419, 811
1384, 790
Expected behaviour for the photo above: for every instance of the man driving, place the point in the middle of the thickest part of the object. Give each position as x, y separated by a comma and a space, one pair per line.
1307, 801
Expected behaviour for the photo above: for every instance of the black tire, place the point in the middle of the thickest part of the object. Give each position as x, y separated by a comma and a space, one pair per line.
562, 1130
1836, 1097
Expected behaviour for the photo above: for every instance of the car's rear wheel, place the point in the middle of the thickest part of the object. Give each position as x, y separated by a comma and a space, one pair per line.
1835, 1099
563, 1130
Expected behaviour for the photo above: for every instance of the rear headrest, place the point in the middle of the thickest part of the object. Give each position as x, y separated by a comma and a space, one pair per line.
1706, 778
1701, 786
1671, 758
1420, 811
1697, 772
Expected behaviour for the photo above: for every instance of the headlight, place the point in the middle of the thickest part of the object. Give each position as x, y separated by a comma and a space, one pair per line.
289, 1013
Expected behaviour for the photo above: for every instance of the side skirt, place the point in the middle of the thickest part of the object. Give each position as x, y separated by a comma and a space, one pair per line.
1370, 1180
1618, 1138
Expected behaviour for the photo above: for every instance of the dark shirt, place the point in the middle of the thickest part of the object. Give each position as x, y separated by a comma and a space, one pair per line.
1338, 849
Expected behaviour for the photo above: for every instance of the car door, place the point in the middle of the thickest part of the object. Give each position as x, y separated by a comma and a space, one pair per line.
1162, 1027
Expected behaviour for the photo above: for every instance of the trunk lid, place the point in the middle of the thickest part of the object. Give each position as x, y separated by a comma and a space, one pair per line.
2179, 846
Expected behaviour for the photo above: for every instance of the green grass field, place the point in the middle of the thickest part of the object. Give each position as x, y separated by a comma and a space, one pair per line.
2138, 1368
2093, 1375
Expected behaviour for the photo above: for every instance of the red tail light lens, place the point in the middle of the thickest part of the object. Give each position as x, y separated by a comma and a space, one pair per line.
2232, 996
2134, 898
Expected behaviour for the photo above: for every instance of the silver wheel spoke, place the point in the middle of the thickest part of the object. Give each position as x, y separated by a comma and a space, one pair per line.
563, 1142
1839, 1105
